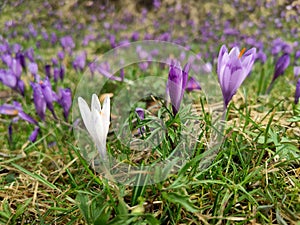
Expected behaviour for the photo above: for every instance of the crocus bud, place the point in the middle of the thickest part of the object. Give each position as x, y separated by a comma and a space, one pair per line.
176, 84
281, 65
65, 100
39, 100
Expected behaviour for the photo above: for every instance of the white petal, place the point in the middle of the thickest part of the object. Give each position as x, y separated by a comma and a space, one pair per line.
235, 51
95, 103
105, 114
100, 133
85, 114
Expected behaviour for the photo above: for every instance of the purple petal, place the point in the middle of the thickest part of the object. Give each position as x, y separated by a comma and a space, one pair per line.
296, 71
193, 84
7, 109
27, 118
34, 134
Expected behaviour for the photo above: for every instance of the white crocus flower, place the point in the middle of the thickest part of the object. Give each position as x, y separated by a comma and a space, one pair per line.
96, 121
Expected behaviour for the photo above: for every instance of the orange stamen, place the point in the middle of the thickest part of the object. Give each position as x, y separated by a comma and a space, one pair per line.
12, 112
242, 52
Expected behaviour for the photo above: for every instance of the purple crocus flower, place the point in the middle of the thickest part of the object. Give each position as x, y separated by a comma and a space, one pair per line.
62, 71
48, 70
54, 61
67, 43
7, 59
53, 38
79, 61
176, 84
281, 65
297, 92
30, 54
49, 95
21, 59
93, 67
192, 84
39, 100
8, 78
65, 100
232, 69
141, 114
261, 56
16, 48
33, 68
16, 68
61, 55
56, 72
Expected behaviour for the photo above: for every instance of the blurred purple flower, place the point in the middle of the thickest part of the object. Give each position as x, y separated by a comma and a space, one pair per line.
65, 100
61, 55
296, 71
135, 36
67, 43
56, 72
112, 41
281, 65
8, 78
93, 67
48, 70
7, 59
45, 35
39, 100
62, 72
79, 61
261, 56
54, 61
11, 80
16, 48
29, 53
32, 30
156, 4
176, 84
33, 68
122, 74
53, 38
101, 69
192, 84
49, 95
297, 92
141, 114
21, 58
232, 69
144, 65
